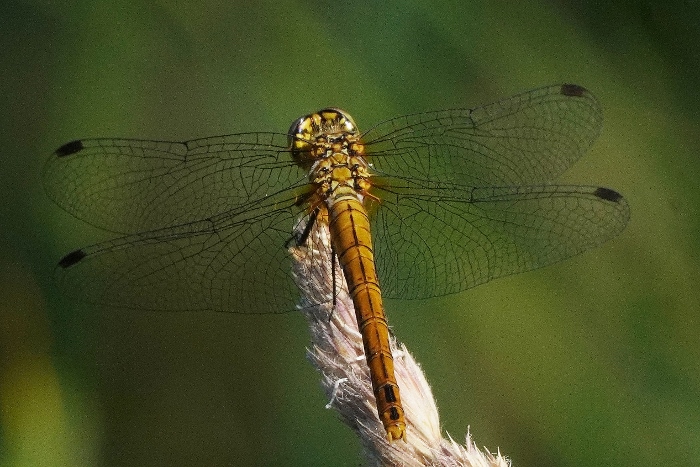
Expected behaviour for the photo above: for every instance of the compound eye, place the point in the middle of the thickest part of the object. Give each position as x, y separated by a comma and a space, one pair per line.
315, 129
300, 140
294, 130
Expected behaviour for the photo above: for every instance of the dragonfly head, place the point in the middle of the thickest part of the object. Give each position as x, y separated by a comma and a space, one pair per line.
309, 134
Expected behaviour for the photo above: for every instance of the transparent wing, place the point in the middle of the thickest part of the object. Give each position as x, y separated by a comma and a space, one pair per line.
466, 194
527, 139
432, 240
464, 199
207, 221
234, 262
130, 186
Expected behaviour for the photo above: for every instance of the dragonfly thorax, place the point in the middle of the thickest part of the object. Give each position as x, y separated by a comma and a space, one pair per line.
343, 167
327, 143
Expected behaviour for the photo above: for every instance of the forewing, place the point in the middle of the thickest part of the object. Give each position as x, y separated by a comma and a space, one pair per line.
130, 186
527, 139
441, 239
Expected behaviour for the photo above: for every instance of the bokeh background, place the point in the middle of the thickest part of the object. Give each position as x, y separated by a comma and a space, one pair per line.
591, 362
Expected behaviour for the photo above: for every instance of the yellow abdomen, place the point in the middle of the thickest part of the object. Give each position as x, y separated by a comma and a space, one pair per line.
352, 242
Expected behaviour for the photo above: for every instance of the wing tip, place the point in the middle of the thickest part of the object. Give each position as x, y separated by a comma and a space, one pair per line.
573, 90
608, 194
70, 148
72, 258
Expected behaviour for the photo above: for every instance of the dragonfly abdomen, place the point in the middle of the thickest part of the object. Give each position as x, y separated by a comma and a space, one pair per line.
352, 242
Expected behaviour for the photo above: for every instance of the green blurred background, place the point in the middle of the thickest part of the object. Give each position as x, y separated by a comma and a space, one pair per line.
591, 362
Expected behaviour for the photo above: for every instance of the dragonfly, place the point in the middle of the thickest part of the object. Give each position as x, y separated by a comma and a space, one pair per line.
418, 206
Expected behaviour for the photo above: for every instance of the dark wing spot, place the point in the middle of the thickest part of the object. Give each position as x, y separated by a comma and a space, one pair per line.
72, 258
69, 148
608, 194
572, 90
